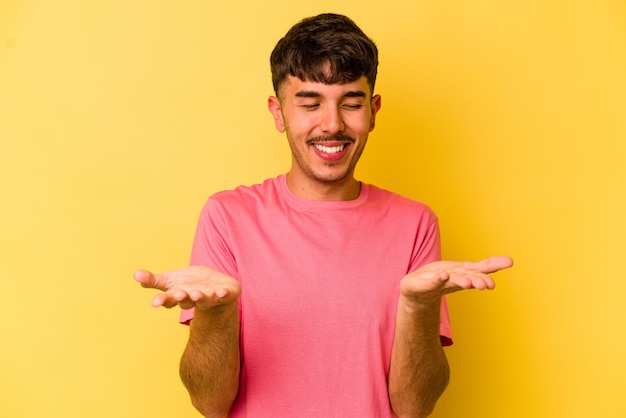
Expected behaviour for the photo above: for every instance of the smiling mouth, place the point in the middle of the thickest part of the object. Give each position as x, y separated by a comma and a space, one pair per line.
330, 150
331, 145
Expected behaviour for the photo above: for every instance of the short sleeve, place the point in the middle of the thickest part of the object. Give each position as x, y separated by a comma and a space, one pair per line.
211, 245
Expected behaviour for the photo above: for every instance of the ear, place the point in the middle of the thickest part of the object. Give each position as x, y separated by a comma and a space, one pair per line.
376, 104
273, 105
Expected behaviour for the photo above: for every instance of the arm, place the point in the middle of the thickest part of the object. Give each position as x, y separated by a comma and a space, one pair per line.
419, 370
209, 367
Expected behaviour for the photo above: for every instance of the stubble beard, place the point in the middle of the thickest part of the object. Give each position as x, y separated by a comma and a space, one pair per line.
327, 179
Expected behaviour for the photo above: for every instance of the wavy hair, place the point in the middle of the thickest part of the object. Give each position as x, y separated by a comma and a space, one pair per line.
328, 48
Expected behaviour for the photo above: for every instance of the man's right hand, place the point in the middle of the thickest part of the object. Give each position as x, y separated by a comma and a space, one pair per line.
195, 286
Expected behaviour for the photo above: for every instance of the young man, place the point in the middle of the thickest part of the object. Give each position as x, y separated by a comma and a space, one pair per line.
313, 294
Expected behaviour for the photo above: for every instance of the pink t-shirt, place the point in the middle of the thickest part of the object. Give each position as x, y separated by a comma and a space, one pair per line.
320, 285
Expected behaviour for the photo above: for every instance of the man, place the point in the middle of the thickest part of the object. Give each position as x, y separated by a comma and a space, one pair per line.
313, 294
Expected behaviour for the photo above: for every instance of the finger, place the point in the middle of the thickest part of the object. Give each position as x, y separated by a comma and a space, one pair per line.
182, 298
441, 277
491, 264
162, 299
470, 280
459, 282
150, 280
194, 298
220, 296
177, 297
482, 282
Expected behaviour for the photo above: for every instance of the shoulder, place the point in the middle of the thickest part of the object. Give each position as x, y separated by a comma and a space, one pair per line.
243, 197
399, 203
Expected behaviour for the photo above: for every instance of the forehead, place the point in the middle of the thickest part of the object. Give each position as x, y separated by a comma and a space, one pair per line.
294, 87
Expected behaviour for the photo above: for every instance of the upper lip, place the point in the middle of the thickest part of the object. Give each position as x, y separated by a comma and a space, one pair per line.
333, 141
330, 143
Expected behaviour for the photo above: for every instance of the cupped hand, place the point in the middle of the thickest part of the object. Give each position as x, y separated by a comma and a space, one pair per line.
436, 279
194, 286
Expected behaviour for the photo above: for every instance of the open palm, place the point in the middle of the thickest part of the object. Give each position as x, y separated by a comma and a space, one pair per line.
194, 286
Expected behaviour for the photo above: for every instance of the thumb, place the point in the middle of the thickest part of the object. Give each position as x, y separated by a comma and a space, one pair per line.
150, 280
493, 264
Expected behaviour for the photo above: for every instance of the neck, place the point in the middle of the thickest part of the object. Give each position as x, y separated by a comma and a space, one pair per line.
345, 189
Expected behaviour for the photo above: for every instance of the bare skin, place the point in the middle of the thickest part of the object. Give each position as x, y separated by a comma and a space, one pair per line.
314, 114
210, 364
327, 127
419, 371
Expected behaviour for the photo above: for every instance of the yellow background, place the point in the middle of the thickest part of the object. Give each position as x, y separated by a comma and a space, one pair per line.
119, 118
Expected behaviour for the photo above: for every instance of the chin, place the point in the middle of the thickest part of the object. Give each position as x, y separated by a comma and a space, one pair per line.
330, 178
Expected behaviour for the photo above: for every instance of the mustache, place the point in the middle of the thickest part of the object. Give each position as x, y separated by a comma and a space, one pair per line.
329, 138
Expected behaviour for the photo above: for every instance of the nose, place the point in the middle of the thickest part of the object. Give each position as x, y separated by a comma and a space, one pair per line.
332, 121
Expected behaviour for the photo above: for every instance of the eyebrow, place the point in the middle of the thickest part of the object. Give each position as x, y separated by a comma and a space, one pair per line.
311, 93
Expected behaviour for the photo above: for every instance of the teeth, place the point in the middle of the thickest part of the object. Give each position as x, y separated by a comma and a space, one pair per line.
329, 150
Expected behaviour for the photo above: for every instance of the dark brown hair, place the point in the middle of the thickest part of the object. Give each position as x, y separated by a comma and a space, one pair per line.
328, 48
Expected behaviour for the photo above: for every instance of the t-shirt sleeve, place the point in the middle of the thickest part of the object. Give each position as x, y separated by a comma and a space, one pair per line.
428, 249
211, 245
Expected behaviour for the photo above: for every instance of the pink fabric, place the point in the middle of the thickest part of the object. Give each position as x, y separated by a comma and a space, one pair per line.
320, 283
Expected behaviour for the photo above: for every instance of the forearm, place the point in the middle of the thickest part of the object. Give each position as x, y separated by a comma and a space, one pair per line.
210, 364
419, 370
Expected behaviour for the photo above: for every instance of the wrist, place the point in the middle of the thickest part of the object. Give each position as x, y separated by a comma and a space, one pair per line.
420, 304
218, 317
422, 316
